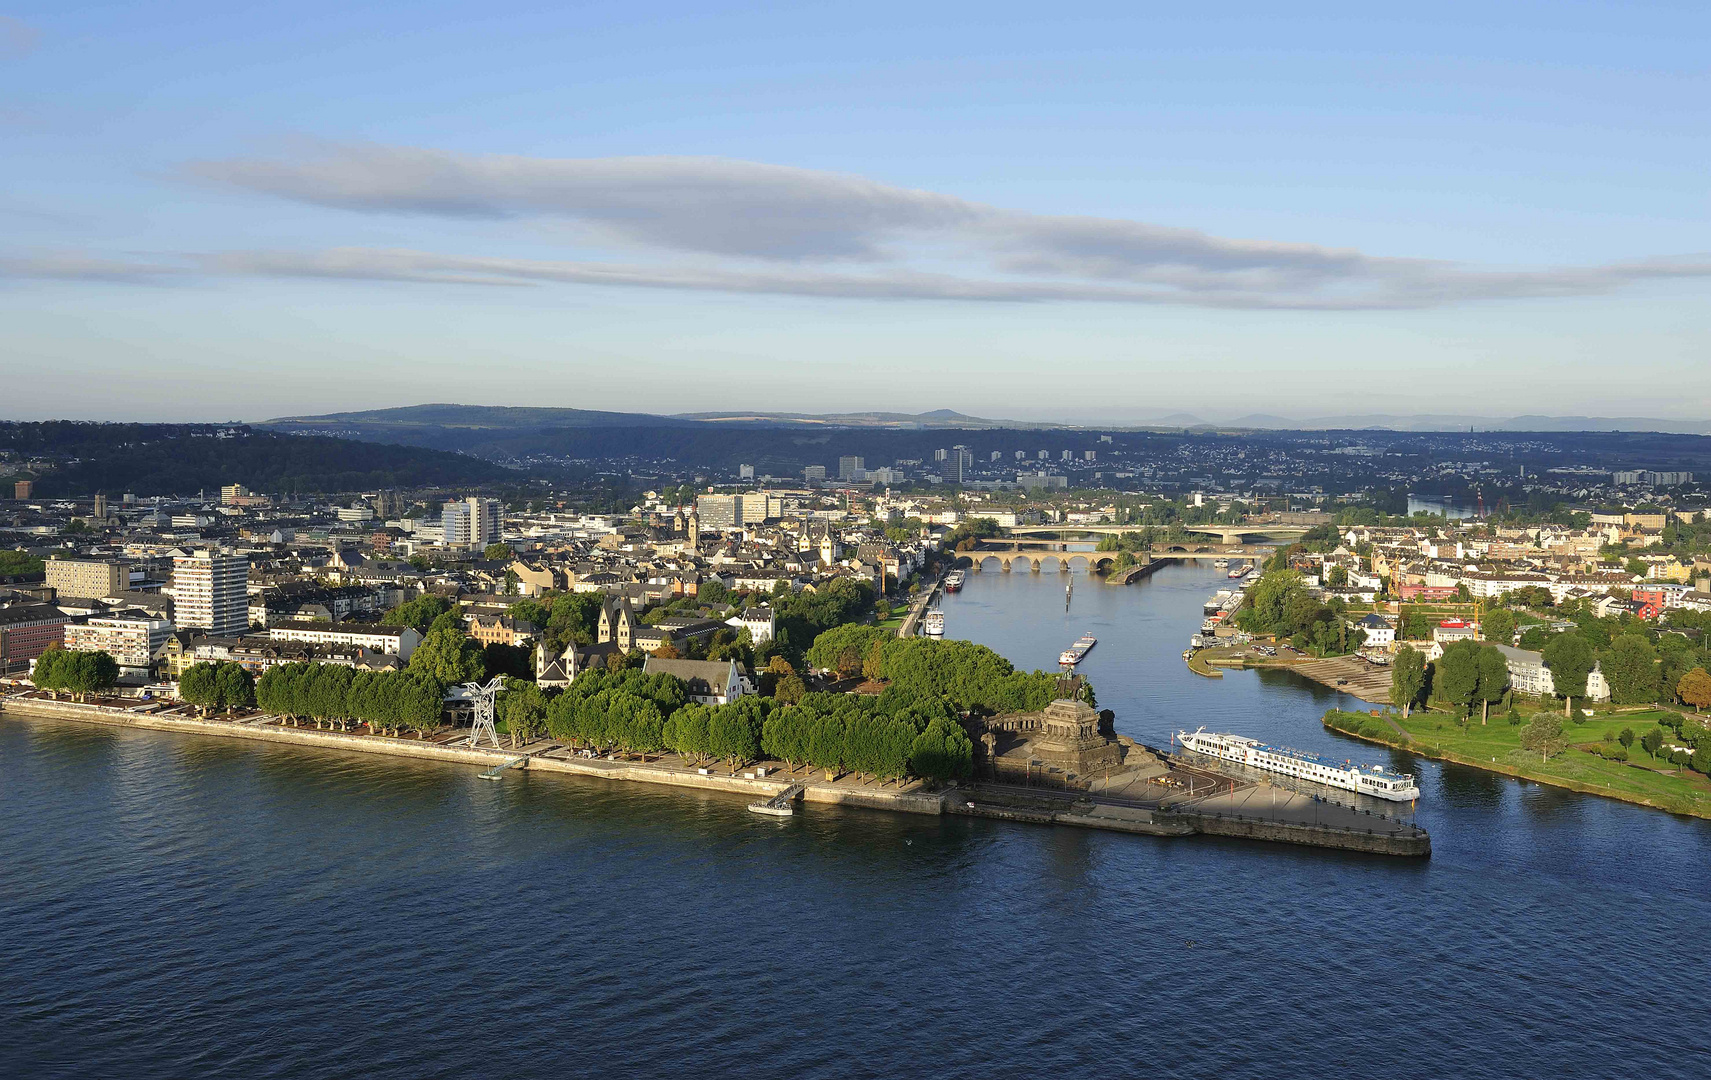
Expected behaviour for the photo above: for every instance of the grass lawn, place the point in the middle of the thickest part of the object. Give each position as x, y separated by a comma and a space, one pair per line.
1497, 747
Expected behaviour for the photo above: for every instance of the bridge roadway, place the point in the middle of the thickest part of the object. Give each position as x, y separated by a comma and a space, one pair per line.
1040, 550
1225, 533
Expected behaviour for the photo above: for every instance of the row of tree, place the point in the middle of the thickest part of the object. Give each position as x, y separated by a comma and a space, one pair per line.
75, 672
221, 684
385, 700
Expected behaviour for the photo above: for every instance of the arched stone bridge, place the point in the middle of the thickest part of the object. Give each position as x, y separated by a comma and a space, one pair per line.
1033, 553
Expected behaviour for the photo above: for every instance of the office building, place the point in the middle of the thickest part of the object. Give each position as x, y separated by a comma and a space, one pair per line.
719, 511
87, 577
22, 489
814, 472
210, 591
852, 468
472, 522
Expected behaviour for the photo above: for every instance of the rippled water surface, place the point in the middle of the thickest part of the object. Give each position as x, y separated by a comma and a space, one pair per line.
173, 907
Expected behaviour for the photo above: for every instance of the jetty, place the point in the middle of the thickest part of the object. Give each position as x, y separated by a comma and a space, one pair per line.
782, 804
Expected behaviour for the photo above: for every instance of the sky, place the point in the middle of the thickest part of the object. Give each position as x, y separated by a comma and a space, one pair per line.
1097, 213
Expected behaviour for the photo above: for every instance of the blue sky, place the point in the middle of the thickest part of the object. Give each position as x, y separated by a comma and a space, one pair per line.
218, 211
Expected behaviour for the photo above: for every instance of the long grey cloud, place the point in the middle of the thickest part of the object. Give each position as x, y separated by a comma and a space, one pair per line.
704, 224
746, 215
377, 264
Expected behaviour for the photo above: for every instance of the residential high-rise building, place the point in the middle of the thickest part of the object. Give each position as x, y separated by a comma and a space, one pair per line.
814, 472
961, 462
88, 577
996, 454
745, 472
231, 493
100, 507
22, 489
1044, 454
941, 455
210, 591
472, 522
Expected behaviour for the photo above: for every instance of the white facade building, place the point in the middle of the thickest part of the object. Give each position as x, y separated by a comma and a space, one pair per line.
210, 591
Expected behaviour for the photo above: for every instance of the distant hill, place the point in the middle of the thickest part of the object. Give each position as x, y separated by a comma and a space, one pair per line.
938, 418
182, 459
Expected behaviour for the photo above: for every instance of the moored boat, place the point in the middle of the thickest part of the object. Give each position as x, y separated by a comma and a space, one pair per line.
953, 581
933, 624
1374, 780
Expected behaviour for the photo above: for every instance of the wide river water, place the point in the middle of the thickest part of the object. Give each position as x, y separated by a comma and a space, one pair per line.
173, 906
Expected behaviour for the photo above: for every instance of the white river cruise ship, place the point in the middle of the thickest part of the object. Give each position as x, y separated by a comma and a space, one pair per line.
1374, 780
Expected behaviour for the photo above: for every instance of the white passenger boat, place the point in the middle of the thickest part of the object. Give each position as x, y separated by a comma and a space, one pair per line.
933, 625
1374, 780
953, 581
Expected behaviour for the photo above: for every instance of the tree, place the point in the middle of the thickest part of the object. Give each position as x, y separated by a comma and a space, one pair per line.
942, 752
1626, 738
1337, 577
448, 656
1570, 660
494, 552
1498, 626
785, 736
1456, 676
419, 613
1544, 735
1652, 742
234, 686
1493, 680
789, 690
1407, 678
197, 686
523, 707
1631, 666
1695, 689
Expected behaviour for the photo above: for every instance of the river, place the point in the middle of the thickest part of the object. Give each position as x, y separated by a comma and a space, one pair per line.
173, 906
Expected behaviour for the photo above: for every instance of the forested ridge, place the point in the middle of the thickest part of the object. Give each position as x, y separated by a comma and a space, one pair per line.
182, 459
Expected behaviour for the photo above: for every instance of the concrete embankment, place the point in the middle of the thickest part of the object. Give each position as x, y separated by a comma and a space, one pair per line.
1133, 573
1045, 808
907, 802
1289, 823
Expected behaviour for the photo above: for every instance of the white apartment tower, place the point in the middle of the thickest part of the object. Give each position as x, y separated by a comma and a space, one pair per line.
210, 591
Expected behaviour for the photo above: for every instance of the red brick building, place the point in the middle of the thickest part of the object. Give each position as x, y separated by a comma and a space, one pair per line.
26, 631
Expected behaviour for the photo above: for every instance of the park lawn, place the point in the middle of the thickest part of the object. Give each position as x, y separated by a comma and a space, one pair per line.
1497, 748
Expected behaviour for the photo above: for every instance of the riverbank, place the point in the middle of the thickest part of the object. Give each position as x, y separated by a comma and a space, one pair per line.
1496, 747
1346, 674
1203, 818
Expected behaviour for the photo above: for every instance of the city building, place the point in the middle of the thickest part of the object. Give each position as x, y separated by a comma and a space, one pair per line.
87, 577
28, 630
133, 638
472, 522
852, 468
1529, 675
23, 489
711, 682
758, 621
399, 641
210, 591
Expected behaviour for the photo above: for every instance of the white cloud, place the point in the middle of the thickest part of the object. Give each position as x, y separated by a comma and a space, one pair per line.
749, 227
